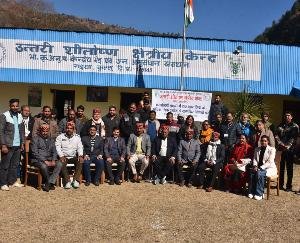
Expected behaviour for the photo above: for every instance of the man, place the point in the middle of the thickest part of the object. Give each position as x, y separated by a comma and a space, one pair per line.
71, 117
43, 156
93, 149
128, 122
286, 137
188, 154
146, 96
80, 115
145, 111
12, 142
230, 131
265, 116
111, 120
28, 121
214, 159
173, 126
164, 152
217, 107
70, 150
138, 148
152, 126
115, 152
45, 118
95, 120
216, 125
246, 128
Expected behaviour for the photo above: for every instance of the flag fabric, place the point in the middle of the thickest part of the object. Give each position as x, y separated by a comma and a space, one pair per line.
188, 12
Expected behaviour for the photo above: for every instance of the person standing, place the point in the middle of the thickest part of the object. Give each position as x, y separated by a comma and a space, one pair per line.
71, 117
95, 120
111, 120
128, 122
28, 121
12, 137
152, 126
217, 107
286, 138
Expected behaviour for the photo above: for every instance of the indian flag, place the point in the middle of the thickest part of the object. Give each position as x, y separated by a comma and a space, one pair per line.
188, 12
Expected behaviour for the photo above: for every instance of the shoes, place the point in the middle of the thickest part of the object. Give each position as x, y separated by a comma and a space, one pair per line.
258, 197
16, 184
189, 185
288, 189
4, 188
163, 180
250, 195
75, 184
155, 180
297, 193
111, 182
281, 188
46, 188
87, 183
68, 185
209, 189
200, 187
139, 178
181, 184
96, 183
134, 178
118, 182
52, 186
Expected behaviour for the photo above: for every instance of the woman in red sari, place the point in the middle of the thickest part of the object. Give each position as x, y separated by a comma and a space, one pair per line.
235, 173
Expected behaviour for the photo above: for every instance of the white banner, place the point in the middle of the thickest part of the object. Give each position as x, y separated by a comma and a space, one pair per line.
81, 57
182, 103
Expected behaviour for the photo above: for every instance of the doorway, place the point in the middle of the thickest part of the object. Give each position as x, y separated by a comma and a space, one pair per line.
62, 101
128, 98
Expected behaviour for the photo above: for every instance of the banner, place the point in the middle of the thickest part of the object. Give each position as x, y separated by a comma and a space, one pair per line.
182, 103
127, 60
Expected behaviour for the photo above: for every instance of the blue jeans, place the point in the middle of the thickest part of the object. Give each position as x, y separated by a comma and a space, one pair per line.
99, 164
257, 182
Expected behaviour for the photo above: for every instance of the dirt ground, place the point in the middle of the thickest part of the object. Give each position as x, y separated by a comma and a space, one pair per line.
147, 213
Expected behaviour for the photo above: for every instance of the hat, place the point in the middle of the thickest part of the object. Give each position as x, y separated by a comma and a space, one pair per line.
70, 124
216, 134
44, 128
139, 125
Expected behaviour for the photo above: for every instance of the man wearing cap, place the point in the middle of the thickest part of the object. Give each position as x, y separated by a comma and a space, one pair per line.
214, 159
138, 148
95, 120
188, 155
164, 151
44, 155
70, 150
12, 137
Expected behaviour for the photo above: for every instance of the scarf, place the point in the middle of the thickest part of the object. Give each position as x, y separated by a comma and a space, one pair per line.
211, 153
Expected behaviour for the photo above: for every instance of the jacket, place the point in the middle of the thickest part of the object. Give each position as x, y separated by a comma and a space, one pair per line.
110, 124
220, 153
268, 160
268, 133
172, 147
121, 147
98, 146
132, 144
39, 150
7, 129
230, 133
188, 152
63, 122
52, 123
127, 123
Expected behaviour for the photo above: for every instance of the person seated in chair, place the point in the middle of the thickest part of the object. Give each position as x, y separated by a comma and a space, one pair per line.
263, 165
43, 156
70, 150
214, 160
93, 149
138, 149
188, 154
115, 152
164, 151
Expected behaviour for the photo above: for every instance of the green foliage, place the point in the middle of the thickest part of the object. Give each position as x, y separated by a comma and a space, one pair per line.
286, 30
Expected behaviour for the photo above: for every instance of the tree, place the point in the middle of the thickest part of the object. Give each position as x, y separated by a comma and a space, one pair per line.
38, 5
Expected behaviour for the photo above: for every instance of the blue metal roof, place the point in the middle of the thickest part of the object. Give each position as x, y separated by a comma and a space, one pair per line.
43, 56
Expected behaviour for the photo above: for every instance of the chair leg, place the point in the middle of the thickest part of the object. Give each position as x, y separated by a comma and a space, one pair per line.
268, 187
25, 178
123, 176
277, 186
102, 177
39, 181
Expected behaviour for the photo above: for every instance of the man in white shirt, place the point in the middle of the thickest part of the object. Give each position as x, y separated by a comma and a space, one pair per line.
70, 150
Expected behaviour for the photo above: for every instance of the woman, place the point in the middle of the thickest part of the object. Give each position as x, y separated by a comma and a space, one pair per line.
206, 133
235, 174
189, 124
263, 165
259, 132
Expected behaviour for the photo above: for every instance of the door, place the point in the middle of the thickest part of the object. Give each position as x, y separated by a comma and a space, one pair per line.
128, 98
62, 101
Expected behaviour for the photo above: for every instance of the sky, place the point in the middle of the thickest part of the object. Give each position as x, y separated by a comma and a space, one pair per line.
220, 19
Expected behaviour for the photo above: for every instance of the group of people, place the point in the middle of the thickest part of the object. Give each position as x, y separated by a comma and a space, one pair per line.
235, 152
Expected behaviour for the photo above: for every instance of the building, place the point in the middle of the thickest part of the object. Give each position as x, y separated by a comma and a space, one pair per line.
62, 69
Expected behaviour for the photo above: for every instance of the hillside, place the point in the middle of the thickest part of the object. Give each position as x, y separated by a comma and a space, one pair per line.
16, 15
286, 30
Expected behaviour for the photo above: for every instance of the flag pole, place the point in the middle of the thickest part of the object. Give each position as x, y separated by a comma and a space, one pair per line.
182, 52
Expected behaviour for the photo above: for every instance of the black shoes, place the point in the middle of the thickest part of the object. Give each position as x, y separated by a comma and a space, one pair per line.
46, 187
97, 183
87, 183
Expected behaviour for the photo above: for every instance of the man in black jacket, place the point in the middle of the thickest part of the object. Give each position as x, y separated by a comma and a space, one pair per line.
214, 160
44, 155
12, 142
128, 121
111, 120
217, 107
164, 152
115, 152
93, 150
